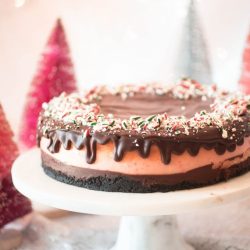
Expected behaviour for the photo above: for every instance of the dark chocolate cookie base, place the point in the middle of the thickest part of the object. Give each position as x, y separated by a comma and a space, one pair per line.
123, 183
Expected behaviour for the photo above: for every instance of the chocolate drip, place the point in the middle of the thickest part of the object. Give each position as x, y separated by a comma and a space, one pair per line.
124, 143
90, 144
168, 142
193, 149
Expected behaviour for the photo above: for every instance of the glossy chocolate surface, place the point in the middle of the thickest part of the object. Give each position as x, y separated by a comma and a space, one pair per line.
147, 104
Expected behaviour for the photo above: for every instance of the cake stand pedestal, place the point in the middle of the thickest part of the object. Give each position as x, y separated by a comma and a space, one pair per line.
150, 233
148, 221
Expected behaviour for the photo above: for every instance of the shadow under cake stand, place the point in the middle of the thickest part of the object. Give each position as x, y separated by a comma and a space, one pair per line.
148, 219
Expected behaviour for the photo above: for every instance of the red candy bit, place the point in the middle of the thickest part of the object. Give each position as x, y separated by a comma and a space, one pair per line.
235, 101
197, 85
176, 126
185, 86
182, 92
214, 87
96, 109
165, 116
141, 88
86, 132
244, 111
245, 74
155, 124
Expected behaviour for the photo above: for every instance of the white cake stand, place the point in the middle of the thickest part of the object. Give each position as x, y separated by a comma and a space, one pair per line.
148, 221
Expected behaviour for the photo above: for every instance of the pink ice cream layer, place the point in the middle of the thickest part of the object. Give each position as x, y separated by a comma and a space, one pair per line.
133, 164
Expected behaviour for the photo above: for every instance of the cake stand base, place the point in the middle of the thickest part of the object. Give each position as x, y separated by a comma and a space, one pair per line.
148, 222
11, 234
150, 233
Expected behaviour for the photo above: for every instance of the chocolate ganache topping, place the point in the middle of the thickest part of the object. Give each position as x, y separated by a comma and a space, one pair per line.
184, 117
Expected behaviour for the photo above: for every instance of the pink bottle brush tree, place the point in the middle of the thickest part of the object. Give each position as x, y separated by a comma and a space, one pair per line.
8, 148
12, 204
55, 75
245, 74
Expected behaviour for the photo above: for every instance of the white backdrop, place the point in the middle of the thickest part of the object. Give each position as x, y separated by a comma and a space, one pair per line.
114, 41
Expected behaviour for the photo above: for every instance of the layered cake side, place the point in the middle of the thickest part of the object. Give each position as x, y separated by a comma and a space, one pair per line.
145, 138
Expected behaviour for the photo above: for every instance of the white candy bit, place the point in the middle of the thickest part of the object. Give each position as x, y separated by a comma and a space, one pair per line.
124, 96
110, 116
45, 105
159, 91
186, 131
224, 134
204, 98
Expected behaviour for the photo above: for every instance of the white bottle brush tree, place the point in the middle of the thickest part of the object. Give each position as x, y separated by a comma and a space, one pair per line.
192, 55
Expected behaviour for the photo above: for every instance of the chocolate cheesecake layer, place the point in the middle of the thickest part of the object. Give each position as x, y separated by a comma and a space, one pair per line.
115, 182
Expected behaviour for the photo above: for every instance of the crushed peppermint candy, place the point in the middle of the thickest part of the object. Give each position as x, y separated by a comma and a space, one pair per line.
81, 110
224, 134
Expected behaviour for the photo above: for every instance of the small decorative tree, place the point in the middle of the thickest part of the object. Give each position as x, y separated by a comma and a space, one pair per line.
12, 204
8, 148
192, 57
245, 74
55, 75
